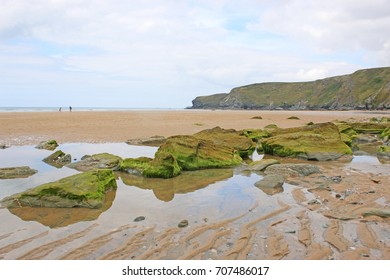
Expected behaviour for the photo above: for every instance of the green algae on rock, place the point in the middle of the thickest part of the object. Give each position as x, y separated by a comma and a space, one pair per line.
193, 153
58, 159
314, 142
50, 145
81, 190
16, 172
97, 161
236, 140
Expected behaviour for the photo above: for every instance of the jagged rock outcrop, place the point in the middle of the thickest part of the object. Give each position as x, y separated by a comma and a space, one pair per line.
16, 172
364, 89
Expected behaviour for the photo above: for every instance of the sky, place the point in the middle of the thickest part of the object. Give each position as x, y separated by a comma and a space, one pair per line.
162, 53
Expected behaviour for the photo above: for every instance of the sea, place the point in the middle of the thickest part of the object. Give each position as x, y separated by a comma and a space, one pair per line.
79, 109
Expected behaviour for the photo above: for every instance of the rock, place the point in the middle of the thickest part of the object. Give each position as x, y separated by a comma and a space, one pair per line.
16, 172
383, 213
365, 138
260, 165
295, 170
192, 153
97, 161
135, 166
58, 159
229, 138
183, 224
369, 127
154, 141
81, 190
255, 134
139, 219
293, 118
384, 154
3, 146
314, 142
271, 184
50, 145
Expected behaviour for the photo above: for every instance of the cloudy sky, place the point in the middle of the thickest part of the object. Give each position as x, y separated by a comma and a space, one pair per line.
162, 54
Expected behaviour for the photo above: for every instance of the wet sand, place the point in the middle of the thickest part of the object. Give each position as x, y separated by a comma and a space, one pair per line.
118, 126
315, 217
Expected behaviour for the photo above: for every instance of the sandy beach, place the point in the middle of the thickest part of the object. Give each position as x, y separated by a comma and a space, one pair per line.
320, 216
118, 126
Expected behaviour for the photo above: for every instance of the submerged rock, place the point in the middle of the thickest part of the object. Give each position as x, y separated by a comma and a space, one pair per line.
97, 161
314, 142
384, 154
154, 141
271, 184
58, 159
295, 170
16, 172
81, 190
50, 145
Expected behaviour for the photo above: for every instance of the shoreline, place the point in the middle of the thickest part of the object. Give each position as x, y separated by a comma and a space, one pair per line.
26, 128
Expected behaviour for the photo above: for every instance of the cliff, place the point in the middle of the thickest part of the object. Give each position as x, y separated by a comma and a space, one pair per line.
364, 89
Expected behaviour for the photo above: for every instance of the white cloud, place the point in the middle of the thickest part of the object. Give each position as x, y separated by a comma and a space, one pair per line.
181, 49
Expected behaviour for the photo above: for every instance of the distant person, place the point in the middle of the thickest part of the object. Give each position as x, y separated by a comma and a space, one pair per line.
70, 108
60, 109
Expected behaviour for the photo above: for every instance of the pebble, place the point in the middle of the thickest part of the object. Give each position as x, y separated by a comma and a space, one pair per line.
139, 219
183, 224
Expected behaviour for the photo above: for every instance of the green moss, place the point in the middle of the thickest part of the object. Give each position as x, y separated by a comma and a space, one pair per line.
164, 165
384, 149
138, 164
369, 127
236, 140
81, 190
320, 141
385, 135
255, 134
193, 153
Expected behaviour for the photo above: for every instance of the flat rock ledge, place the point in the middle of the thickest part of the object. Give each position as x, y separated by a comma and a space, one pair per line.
16, 172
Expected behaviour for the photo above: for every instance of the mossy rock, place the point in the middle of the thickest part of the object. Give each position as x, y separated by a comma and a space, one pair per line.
314, 142
271, 127
230, 138
385, 135
293, 118
81, 190
346, 129
257, 118
255, 134
135, 166
164, 165
193, 153
50, 145
16, 172
97, 161
58, 159
369, 127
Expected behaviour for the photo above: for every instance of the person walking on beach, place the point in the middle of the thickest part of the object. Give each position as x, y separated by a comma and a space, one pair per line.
60, 109
70, 109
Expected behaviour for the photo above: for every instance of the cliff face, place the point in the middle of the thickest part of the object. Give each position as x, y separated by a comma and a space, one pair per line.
364, 89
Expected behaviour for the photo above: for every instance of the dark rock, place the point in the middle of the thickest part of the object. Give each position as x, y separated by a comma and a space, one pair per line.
183, 224
3, 146
50, 145
16, 172
139, 219
58, 159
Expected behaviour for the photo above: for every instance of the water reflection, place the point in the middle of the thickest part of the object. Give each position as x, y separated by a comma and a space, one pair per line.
165, 189
61, 217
